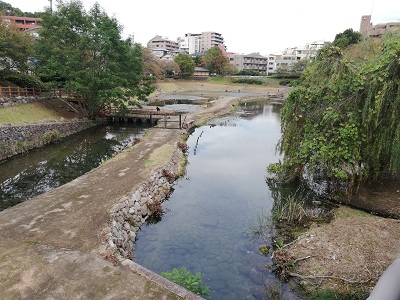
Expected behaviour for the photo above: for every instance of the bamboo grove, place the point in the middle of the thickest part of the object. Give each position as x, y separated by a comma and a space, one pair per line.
343, 123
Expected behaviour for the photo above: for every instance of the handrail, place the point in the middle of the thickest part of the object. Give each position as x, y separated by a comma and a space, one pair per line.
11, 91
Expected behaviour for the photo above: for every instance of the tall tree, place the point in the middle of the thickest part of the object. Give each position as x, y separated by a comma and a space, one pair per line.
8, 10
15, 48
84, 52
347, 38
215, 61
186, 64
169, 68
150, 63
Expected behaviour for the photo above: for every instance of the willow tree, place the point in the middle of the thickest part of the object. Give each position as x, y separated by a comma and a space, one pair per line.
84, 53
343, 124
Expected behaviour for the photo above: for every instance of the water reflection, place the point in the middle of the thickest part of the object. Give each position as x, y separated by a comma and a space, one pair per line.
209, 212
39, 171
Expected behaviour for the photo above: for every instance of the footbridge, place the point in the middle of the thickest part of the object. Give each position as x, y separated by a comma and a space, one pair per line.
161, 118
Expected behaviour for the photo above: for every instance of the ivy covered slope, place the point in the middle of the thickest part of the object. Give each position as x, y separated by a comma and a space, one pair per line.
343, 124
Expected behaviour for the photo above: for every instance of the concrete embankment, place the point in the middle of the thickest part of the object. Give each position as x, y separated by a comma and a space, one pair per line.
54, 246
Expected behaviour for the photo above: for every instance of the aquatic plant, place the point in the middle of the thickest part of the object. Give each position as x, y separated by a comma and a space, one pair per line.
189, 281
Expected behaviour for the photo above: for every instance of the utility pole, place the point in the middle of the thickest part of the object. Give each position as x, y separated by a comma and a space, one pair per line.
51, 6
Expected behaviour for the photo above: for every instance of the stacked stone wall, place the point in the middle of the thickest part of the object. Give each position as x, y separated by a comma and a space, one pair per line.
19, 139
131, 213
18, 100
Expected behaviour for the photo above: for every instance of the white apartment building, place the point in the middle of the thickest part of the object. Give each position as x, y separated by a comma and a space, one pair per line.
200, 42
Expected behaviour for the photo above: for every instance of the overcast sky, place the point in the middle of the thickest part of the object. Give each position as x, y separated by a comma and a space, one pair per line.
247, 26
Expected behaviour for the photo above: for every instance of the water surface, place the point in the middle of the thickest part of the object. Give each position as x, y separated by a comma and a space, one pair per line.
214, 206
39, 171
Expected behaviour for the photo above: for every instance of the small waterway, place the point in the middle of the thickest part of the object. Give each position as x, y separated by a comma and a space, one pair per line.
213, 209
39, 171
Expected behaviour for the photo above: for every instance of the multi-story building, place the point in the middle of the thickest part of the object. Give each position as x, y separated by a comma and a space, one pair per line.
210, 39
200, 42
252, 61
158, 42
22, 23
369, 30
190, 43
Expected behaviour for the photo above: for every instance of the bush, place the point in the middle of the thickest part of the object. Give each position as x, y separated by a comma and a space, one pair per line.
249, 73
248, 81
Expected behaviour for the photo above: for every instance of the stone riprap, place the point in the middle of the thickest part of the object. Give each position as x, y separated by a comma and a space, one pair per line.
21, 138
18, 100
130, 213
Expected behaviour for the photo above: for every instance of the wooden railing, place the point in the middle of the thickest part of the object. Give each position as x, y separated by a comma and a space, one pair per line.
11, 91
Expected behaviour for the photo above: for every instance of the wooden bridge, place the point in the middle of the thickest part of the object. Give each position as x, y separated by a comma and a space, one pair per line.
165, 118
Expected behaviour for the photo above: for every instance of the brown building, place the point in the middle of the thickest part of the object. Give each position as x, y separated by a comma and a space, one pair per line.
23, 23
369, 30
158, 42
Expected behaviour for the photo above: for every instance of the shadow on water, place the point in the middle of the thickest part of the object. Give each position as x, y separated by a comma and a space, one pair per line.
25, 176
206, 225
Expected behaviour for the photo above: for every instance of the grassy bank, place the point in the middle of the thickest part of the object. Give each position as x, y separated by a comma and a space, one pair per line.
37, 112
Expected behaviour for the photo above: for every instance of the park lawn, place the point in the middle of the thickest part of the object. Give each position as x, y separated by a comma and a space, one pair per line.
27, 113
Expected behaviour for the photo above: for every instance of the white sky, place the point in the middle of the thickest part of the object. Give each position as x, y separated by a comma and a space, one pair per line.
246, 26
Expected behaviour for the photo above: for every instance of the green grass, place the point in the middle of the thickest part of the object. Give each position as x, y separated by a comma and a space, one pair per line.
27, 113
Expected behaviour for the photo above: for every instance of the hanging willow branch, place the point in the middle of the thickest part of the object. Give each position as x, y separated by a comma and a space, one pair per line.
344, 123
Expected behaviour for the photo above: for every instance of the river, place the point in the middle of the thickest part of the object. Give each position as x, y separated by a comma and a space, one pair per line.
214, 208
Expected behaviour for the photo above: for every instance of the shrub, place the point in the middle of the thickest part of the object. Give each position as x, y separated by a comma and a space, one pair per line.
248, 81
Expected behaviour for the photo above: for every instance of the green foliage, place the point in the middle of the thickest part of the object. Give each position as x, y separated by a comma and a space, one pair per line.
20, 79
215, 60
84, 53
248, 81
7, 9
15, 48
344, 123
264, 249
347, 38
290, 211
189, 281
186, 64
51, 136
198, 60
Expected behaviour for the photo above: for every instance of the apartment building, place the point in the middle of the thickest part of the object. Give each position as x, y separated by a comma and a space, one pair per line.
194, 43
158, 42
252, 61
369, 30
22, 23
191, 43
